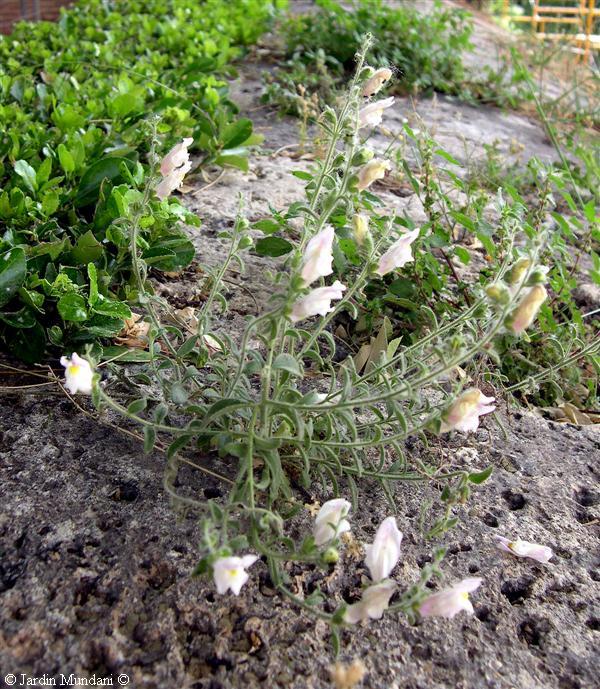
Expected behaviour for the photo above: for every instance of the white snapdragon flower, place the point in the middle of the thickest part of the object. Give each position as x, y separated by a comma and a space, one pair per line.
78, 374
331, 520
174, 167
464, 414
520, 548
176, 157
230, 573
374, 601
317, 302
399, 254
383, 554
375, 169
451, 601
318, 257
376, 81
372, 114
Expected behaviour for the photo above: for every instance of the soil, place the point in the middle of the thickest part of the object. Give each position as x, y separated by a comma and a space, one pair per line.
95, 565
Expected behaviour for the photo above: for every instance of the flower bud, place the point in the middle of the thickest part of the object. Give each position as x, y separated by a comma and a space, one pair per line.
330, 556
538, 276
498, 293
518, 270
524, 315
363, 156
360, 223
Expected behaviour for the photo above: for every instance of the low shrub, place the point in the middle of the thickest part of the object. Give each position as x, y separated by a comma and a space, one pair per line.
80, 102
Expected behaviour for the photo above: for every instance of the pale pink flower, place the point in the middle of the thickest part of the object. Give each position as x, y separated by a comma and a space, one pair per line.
464, 414
451, 601
383, 554
230, 572
331, 520
398, 254
174, 167
78, 374
376, 81
372, 114
317, 302
520, 548
375, 169
525, 313
374, 601
318, 258
176, 157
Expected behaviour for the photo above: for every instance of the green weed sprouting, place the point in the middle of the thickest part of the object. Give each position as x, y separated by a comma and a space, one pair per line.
285, 414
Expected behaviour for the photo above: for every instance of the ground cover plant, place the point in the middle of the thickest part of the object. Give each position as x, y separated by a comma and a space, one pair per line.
425, 51
286, 412
77, 104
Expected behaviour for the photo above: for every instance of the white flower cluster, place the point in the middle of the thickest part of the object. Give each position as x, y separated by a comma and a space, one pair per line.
382, 556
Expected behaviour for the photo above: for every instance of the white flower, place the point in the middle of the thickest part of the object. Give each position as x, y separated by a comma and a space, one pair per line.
384, 553
331, 520
230, 572
317, 302
174, 167
376, 81
372, 114
318, 257
176, 157
398, 254
375, 600
78, 374
520, 548
464, 414
450, 601
375, 169
525, 313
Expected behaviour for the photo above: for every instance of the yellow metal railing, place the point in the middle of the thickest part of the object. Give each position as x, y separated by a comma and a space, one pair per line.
580, 15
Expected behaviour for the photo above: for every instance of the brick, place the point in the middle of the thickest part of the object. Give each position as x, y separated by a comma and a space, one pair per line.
14, 10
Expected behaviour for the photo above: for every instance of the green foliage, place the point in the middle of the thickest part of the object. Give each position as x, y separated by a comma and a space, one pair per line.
76, 98
424, 50
470, 217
